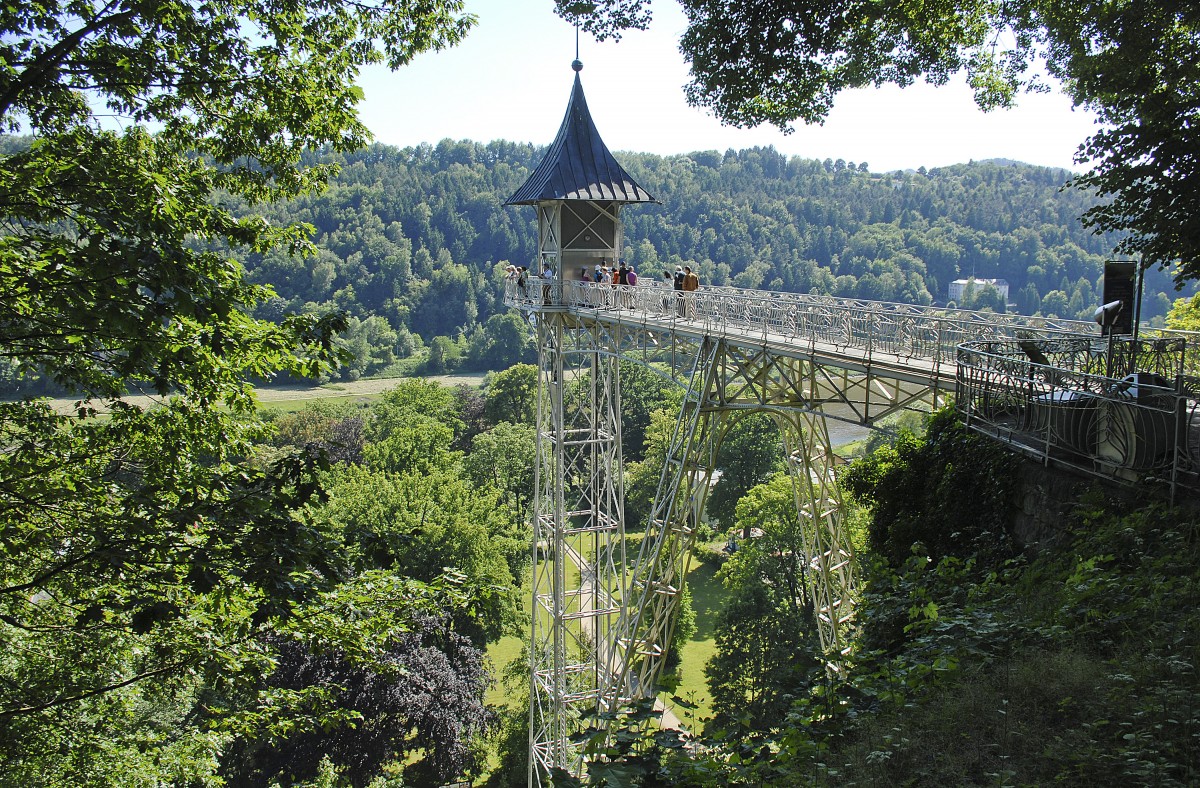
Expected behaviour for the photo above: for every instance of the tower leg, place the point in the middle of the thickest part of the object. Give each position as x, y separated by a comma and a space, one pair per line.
578, 531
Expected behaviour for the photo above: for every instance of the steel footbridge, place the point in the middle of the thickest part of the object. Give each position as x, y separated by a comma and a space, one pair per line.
603, 616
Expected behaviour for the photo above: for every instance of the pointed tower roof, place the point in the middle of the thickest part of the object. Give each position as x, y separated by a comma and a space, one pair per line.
578, 165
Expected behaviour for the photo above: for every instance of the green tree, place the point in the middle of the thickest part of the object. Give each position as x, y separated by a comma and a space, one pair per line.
1134, 64
419, 444
771, 550
410, 398
511, 395
370, 346
418, 524
503, 458
764, 659
766, 645
643, 391
750, 452
685, 629
906, 485
642, 477
1185, 314
501, 342
445, 354
140, 551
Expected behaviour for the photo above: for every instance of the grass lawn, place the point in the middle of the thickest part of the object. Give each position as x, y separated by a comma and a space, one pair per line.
501, 653
707, 598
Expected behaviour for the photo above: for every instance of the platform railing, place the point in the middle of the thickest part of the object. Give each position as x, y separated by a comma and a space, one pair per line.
905, 331
1121, 409
1052, 387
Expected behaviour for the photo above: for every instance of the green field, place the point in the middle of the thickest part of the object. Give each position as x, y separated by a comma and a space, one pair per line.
293, 405
707, 597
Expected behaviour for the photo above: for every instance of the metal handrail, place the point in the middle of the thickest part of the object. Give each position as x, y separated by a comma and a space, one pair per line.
906, 331
1118, 408
998, 381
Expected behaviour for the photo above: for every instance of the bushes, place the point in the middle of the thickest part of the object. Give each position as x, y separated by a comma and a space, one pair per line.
1076, 665
709, 554
951, 492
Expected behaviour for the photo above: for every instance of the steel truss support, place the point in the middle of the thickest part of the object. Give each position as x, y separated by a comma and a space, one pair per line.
600, 632
826, 543
725, 384
647, 624
579, 561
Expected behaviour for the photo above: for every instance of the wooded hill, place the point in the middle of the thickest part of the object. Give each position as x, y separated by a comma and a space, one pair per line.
411, 242
411, 238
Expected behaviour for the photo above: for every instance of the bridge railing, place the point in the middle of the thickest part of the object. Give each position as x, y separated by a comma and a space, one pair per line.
905, 331
1123, 409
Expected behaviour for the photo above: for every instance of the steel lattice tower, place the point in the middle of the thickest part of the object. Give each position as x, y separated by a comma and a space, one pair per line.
601, 620
578, 529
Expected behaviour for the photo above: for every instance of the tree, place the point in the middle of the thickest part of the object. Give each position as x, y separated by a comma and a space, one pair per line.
643, 391
766, 645
503, 458
1185, 314
1135, 64
501, 342
418, 703
142, 549
418, 523
764, 660
642, 478
774, 555
411, 398
750, 452
445, 354
511, 394
907, 484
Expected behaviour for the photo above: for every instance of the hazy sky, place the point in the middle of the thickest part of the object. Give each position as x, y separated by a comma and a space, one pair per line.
512, 77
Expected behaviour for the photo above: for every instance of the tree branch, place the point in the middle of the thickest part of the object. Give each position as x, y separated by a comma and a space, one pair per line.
51, 60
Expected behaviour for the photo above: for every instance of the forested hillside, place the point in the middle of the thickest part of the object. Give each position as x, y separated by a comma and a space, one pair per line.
410, 242
411, 239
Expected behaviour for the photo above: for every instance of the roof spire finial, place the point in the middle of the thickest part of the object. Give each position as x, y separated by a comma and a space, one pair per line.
577, 64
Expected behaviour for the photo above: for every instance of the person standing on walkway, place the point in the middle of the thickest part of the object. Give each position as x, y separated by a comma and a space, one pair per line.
547, 276
623, 281
691, 283
677, 283
604, 294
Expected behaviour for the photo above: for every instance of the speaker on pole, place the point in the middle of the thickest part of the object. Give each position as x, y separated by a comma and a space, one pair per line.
1119, 287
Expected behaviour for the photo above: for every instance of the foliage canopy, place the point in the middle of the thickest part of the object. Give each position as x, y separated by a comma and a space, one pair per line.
144, 550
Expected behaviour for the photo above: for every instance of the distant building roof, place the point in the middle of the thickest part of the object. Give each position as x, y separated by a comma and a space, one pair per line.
981, 281
578, 165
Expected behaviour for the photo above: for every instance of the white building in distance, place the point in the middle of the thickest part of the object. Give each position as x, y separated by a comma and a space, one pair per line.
959, 286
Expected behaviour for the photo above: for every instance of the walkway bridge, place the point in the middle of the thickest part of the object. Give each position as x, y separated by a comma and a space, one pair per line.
603, 618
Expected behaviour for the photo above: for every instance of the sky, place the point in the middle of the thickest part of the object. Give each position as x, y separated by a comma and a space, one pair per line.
511, 78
